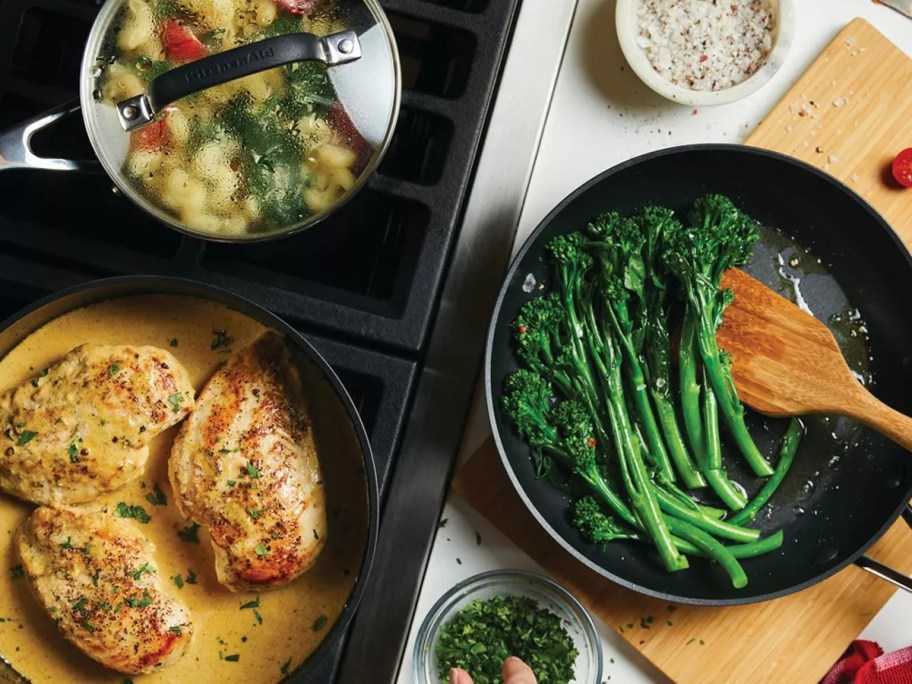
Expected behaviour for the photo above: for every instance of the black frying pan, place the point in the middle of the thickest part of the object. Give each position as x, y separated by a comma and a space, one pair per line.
841, 495
356, 475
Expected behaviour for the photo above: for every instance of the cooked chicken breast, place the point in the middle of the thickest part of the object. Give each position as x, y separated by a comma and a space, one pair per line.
245, 464
82, 427
96, 576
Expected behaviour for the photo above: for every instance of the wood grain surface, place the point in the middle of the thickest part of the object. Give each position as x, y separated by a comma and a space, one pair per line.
848, 114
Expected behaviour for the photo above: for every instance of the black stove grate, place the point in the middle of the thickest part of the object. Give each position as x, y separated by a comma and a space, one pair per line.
363, 286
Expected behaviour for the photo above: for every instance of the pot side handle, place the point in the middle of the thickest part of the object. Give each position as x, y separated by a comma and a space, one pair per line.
15, 144
885, 572
337, 48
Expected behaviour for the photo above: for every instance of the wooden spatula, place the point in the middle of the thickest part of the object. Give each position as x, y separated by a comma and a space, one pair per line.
787, 363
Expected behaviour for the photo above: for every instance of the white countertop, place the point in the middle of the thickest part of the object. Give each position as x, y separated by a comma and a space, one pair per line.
601, 115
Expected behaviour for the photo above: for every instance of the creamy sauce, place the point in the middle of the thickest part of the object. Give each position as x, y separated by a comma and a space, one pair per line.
290, 622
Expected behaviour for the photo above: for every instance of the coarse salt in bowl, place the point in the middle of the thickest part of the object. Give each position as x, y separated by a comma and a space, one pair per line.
705, 52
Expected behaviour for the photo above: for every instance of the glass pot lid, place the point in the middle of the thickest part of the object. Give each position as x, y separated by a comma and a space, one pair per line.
240, 120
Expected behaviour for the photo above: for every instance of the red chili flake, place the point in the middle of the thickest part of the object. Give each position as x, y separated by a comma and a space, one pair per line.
694, 112
522, 329
591, 442
703, 58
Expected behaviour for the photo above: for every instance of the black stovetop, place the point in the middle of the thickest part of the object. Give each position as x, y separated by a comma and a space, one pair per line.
363, 285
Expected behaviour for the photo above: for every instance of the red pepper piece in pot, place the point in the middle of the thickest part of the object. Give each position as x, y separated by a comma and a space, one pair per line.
350, 135
180, 43
151, 137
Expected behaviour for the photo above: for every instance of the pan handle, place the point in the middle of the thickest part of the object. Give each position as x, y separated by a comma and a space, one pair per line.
338, 48
16, 149
885, 572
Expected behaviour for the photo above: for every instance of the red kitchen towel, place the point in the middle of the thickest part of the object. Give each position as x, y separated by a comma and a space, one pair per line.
865, 663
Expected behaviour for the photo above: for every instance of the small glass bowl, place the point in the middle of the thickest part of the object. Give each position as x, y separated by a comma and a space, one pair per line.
548, 594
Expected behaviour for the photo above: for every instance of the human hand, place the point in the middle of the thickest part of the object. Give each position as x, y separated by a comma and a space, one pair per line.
514, 671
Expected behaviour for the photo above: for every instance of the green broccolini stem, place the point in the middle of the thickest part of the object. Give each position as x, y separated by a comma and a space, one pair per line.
712, 548
677, 449
730, 495
787, 451
719, 528
690, 388
732, 409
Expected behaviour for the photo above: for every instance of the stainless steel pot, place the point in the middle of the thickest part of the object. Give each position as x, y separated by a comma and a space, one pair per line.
364, 73
358, 469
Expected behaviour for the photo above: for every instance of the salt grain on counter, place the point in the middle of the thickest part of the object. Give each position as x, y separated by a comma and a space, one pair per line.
705, 44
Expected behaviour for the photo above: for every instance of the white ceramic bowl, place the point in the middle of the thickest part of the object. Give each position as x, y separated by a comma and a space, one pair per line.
545, 592
627, 30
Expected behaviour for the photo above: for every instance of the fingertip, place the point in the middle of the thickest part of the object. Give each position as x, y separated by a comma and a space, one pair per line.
459, 676
515, 671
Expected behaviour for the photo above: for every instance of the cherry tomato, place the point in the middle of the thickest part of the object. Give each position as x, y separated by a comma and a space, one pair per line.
298, 6
153, 136
902, 168
181, 44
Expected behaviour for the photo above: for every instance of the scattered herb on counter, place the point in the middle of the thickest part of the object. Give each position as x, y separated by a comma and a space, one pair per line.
173, 342
486, 632
442, 523
17, 572
127, 680
26, 436
477, 539
320, 623
137, 512
222, 340
251, 604
37, 378
191, 576
176, 400
189, 534
285, 666
114, 369
689, 642
233, 658
156, 497
179, 581
259, 618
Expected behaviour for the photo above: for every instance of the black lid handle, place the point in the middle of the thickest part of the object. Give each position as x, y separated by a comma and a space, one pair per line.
338, 48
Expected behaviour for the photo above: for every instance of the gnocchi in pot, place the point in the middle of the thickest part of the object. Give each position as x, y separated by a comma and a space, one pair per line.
252, 156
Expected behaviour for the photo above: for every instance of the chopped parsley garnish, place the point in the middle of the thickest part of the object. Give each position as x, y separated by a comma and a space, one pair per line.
73, 451
80, 604
252, 471
316, 536
40, 375
67, 545
285, 666
319, 623
146, 600
95, 580
144, 569
17, 572
191, 576
175, 400
261, 549
251, 604
209, 452
127, 680
253, 513
156, 497
88, 625
173, 342
190, 534
105, 605
136, 512
86, 549
482, 634
221, 340
259, 618
233, 658
176, 629
228, 451
26, 436
114, 369
232, 483
179, 581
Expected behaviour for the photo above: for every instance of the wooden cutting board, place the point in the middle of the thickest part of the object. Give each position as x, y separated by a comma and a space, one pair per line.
849, 114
